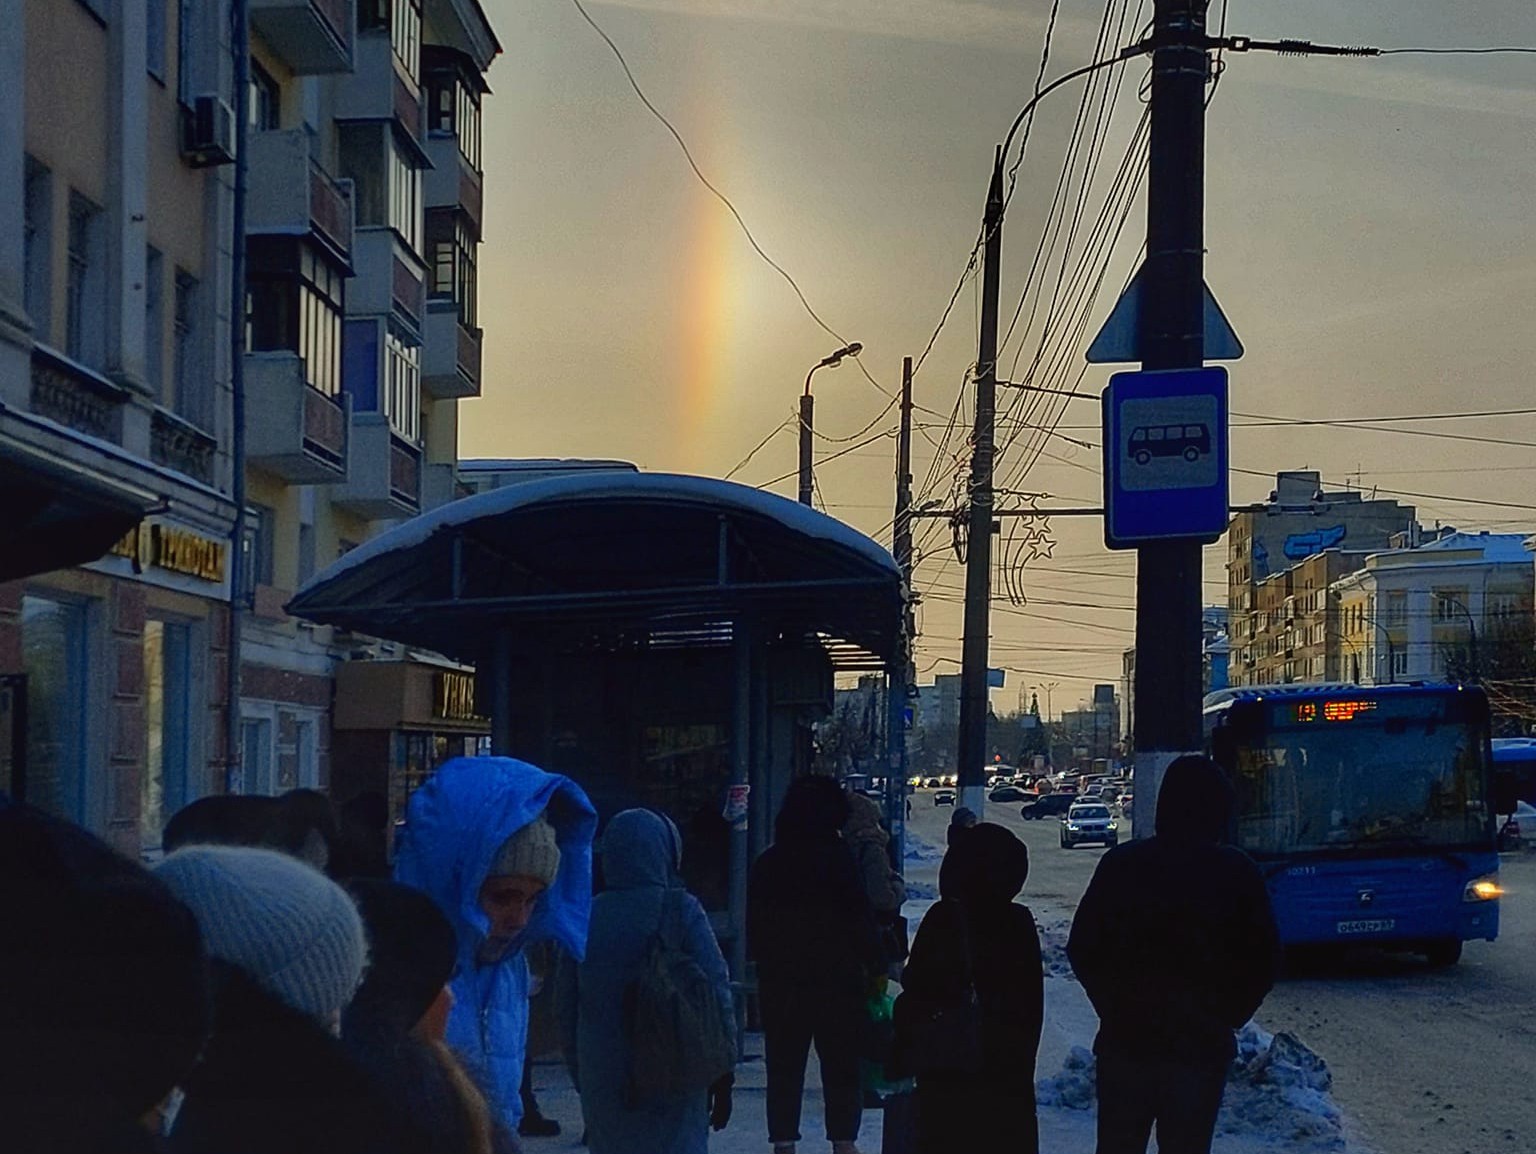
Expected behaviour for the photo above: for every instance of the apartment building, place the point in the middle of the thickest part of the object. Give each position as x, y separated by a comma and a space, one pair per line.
1296, 630
116, 423
1300, 519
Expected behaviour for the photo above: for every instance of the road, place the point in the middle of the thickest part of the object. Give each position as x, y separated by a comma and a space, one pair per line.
1424, 1062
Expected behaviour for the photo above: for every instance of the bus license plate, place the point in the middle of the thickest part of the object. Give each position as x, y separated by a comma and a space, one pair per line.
1368, 926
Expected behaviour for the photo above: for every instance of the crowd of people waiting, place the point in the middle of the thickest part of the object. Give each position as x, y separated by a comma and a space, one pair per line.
267, 987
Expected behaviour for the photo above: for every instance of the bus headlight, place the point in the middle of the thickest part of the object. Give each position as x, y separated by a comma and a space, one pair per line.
1483, 889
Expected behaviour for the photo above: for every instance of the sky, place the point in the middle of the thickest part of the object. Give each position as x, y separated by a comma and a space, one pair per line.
1368, 230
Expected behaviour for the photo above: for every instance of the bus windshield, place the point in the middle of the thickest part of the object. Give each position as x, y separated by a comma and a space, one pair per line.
1374, 783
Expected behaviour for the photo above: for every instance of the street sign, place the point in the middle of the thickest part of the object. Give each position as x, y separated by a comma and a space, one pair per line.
1165, 456
1120, 338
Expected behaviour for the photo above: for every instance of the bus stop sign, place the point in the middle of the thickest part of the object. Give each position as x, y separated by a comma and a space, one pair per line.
1165, 456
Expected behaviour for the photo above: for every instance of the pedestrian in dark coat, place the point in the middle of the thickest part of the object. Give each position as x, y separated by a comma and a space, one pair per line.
289, 951
978, 935
103, 992
960, 821
1175, 944
812, 932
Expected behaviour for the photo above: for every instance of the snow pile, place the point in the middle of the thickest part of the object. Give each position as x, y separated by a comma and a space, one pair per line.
1279, 1087
921, 892
920, 850
1074, 1087
1053, 951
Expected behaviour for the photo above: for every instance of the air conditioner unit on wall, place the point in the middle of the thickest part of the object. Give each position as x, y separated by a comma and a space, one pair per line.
208, 133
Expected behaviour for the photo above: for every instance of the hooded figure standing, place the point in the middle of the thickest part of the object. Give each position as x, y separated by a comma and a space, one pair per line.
811, 930
978, 935
1176, 946
505, 850
642, 853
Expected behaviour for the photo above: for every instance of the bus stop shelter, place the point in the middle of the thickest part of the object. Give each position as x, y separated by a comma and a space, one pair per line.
664, 640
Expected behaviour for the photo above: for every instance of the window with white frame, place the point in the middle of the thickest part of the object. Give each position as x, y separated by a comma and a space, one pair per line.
1397, 608
452, 253
402, 387
85, 336
404, 196
1449, 605
193, 396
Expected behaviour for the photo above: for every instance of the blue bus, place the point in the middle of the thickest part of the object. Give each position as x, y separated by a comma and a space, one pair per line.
1368, 808
1514, 760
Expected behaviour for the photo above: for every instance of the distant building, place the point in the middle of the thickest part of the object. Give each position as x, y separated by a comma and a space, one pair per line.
1296, 631
1407, 612
1299, 520
938, 705
1094, 730
1213, 653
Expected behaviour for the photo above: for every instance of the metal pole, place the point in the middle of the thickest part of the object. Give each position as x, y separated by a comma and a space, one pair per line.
234, 769
978, 563
1168, 574
807, 423
501, 693
741, 775
900, 675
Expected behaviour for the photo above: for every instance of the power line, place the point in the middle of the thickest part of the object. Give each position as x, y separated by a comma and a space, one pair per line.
742, 464
720, 196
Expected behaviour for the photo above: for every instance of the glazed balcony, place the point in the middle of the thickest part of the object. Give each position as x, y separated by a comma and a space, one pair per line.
390, 280
383, 474
379, 89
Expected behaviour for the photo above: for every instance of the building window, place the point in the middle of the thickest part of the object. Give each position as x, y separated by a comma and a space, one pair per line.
256, 754
452, 255
53, 649
191, 399
1397, 608
402, 387
1399, 663
155, 19
265, 100
154, 319
37, 221
387, 186
86, 314
295, 304
167, 716
453, 108
404, 196
1449, 606
186, 20
403, 20
259, 548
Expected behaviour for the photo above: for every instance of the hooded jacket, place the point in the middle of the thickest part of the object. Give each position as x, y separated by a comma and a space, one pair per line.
978, 927
868, 841
1175, 942
455, 825
641, 853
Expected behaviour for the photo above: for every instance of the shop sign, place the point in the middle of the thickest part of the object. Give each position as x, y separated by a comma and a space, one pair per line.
455, 698
172, 549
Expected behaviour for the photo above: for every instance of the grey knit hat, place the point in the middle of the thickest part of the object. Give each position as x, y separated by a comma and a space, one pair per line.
532, 852
288, 926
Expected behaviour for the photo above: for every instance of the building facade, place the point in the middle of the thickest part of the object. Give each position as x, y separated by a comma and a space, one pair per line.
364, 199
1424, 613
1299, 520
1296, 634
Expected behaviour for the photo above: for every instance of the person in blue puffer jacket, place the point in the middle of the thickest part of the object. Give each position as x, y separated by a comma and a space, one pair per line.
505, 850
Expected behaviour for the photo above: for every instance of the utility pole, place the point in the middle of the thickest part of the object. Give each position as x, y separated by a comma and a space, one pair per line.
971, 769
899, 678
1168, 573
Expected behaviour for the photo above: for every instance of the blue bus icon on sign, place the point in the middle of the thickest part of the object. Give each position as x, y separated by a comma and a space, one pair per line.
1188, 441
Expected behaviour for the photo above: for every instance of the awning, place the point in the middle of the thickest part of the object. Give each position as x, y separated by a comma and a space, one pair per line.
588, 557
58, 514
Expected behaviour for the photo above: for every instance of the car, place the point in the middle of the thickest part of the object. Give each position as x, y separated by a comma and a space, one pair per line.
1037, 806
1089, 822
1517, 828
1124, 801
944, 797
1007, 793
931, 783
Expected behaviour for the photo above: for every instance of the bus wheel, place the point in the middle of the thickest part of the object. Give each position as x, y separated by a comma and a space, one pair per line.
1443, 953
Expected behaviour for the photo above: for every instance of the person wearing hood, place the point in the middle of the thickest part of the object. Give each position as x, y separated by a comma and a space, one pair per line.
978, 938
505, 850
812, 933
106, 1001
1175, 944
642, 854
960, 821
289, 950
395, 1022
883, 885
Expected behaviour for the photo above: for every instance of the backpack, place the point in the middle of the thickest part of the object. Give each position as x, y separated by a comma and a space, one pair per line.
679, 1039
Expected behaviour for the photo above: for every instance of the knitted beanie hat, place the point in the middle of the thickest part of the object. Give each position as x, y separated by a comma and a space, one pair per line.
531, 852
288, 926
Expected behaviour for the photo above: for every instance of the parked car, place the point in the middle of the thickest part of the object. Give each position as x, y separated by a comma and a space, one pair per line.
1043, 805
1517, 828
1014, 793
1089, 822
931, 783
944, 797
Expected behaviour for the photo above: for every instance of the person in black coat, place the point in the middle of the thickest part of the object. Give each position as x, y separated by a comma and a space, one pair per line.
812, 933
978, 934
1175, 944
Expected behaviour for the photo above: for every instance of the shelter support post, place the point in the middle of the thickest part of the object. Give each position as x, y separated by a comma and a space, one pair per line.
501, 693
896, 759
741, 778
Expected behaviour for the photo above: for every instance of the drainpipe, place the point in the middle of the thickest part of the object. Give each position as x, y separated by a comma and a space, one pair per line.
240, 36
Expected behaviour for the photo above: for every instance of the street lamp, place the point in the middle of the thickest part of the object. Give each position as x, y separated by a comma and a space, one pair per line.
1471, 628
807, 413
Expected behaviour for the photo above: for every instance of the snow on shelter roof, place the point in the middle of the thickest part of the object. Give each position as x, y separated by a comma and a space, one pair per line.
611, 550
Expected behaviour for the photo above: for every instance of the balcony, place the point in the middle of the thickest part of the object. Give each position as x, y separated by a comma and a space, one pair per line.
451, 182
450, 357
73, 396
291, 428
312, 36
439, 486
390, 281
291, 194
379, 90
178, 444
383, 474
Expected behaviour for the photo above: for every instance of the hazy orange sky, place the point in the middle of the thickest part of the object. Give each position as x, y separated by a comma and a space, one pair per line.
1369, 228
